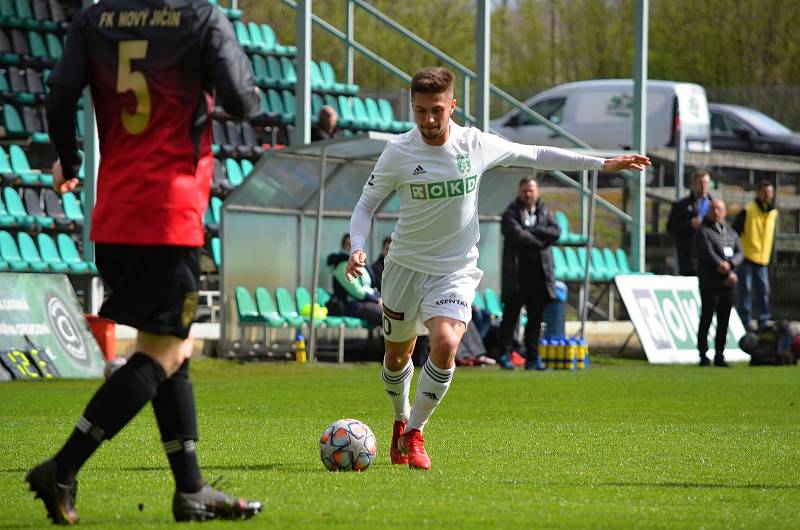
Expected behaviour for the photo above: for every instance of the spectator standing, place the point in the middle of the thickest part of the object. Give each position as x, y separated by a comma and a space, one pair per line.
529, 230
718, 252
685, 219
756, 225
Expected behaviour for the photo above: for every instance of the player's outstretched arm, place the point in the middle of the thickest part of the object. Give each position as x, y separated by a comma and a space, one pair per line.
356, 264
630, 162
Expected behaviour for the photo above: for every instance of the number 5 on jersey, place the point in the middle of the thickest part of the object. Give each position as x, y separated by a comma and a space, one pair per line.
128, 79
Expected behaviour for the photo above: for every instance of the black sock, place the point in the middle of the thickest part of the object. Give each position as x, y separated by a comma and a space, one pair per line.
114, 404
177, 421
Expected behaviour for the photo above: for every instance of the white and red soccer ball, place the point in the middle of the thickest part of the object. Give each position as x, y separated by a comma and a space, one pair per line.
347, 445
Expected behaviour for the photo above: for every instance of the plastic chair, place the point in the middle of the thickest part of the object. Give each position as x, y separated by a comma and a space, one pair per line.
49, 253
29, 253
287, 309
493, 304
267, 309
10, 253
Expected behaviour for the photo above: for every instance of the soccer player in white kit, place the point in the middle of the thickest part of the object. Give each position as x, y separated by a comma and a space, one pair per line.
431, 270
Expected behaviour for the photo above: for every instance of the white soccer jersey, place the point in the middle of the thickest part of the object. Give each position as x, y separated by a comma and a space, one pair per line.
437, 230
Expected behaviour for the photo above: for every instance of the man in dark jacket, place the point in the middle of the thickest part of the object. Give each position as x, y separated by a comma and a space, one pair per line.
529, 230
718, 253
685, 219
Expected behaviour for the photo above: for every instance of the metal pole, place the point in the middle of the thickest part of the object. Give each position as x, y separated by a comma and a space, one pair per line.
312, 335
350, 54
589, 244
465, 103
584, 204
483, 32
637, 183
680, 148
302, 90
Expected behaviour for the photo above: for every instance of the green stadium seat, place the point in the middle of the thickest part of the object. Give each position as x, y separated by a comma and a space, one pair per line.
243, 36
397, 126
346, 114
493, 305
54, 48
216, 209
611, 261
29, 253
38, 48
8, 14
216, 252
10, 253
567, 237
351, 322
303, 298
6, 219
13, 123
247, 167
33, 205
257, 38
318, 83
599, 264
70, 256
316, 104
287, 309
289, 104
576, 271
16, 209
272, 44
260, 71
289, 71
267, 309
329, 74
375, 116
276, 77
21, 166
49, 253
623, 261
560, 267
72, 208
246, 309
276, 104
363, 120
234, 171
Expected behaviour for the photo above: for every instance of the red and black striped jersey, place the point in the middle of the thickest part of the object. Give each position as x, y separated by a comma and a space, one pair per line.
153, 66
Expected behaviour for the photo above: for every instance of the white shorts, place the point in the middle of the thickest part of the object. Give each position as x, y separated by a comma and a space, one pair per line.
411, 298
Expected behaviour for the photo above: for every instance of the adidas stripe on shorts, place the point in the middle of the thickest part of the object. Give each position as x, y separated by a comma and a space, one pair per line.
411, 298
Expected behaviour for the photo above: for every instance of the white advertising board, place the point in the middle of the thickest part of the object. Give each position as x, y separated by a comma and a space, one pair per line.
665, 311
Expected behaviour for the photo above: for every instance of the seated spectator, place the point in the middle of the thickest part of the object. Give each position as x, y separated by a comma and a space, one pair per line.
356, 295
326, 128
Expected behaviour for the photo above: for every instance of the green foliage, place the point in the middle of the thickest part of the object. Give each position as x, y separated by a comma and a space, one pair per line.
622, 444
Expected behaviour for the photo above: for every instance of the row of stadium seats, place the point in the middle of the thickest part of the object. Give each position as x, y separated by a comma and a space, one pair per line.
15, 169
38, 14
260, 39
283, 310
40, 211
22, 85
229, 175
236, 138
29, 48
24, 255
570, 266
271, 72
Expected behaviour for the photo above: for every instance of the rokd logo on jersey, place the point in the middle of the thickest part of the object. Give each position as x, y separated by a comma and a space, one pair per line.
444, 189
65, 329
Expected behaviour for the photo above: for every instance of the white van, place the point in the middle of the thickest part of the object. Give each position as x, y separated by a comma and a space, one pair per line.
600, 112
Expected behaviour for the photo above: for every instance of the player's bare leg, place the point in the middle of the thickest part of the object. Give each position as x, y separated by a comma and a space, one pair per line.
445, 336
396, 375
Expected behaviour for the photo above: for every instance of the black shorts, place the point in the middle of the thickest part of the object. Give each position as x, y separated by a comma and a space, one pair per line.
153, 288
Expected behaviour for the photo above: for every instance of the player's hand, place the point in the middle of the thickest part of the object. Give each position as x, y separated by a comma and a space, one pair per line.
732, 279
632, 162
60, 184
724, 267
696, 222
356, 264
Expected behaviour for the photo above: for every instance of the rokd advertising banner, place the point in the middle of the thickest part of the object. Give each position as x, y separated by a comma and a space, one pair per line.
41, 312
665, 311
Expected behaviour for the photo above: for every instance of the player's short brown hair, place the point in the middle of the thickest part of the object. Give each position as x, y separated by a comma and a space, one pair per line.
432, 80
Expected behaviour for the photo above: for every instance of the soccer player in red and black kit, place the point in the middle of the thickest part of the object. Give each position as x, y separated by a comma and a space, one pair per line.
153, 67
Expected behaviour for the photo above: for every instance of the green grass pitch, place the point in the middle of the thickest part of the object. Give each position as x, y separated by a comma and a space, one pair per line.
624, 444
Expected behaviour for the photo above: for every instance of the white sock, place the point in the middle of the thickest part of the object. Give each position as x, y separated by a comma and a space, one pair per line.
431, 387
398, 388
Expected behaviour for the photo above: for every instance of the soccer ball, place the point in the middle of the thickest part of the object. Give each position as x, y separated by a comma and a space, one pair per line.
347, 445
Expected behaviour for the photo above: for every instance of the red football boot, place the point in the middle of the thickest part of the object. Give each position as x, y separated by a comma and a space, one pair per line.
413, 444
394, 453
